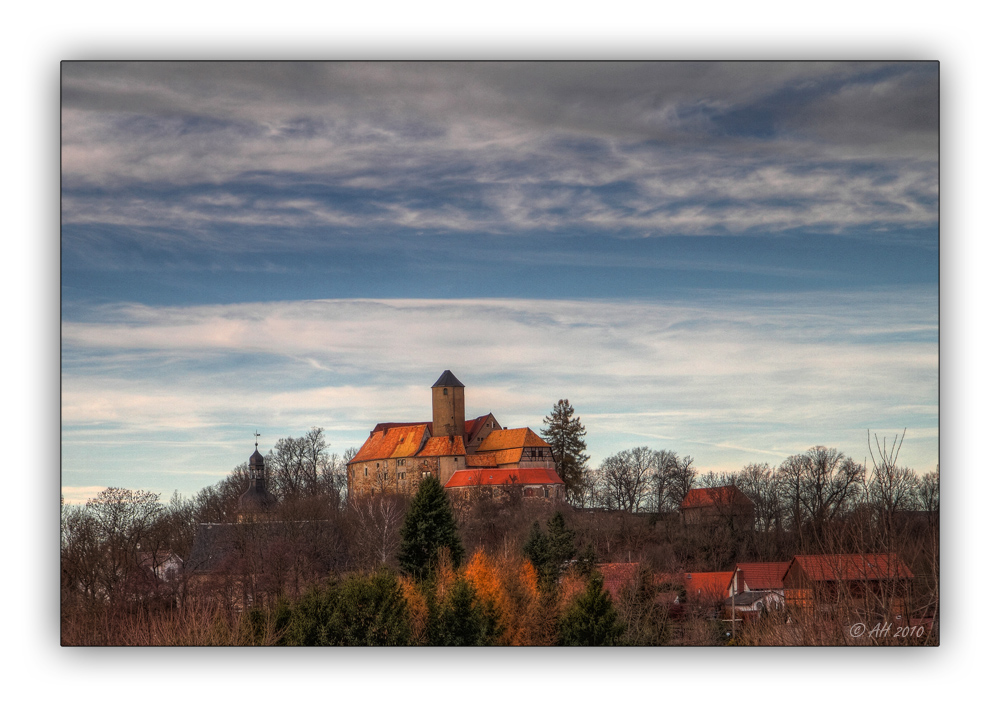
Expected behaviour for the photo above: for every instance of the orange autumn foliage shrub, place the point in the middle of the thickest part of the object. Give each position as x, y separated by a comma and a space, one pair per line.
416, 605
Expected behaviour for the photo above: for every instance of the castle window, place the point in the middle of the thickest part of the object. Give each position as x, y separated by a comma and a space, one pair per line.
366, 471
445, 391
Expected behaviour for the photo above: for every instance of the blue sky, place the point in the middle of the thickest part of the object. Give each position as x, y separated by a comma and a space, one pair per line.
736, 261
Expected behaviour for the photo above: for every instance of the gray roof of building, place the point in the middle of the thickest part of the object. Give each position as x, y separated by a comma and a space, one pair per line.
217, 545
448, 379
748, 598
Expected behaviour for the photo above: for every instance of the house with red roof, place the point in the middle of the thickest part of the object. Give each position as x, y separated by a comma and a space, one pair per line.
712, 506
398, 455
758, 577
755, 587
619, 575
707, 589
875, 580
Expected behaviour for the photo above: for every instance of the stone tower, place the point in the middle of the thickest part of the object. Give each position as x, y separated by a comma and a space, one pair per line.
448, 403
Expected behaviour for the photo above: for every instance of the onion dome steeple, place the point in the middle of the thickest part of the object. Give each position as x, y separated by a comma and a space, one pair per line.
256, 499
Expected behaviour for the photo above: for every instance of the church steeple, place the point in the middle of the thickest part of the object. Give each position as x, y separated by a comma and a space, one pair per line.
256, 499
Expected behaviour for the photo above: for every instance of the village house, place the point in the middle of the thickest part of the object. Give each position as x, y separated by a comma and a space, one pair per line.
713, 506
755, 587
870, 581
398, 455
706, 590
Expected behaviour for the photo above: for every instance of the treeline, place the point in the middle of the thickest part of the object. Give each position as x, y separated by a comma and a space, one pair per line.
517, 574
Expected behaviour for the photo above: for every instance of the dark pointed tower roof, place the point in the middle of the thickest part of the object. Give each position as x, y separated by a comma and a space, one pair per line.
448, 380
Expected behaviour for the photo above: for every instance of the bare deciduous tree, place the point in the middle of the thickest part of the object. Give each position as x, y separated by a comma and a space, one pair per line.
627, 476
377, 521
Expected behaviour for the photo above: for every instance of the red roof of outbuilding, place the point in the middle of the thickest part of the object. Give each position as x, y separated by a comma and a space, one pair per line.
832, 568
617, 575
707, 586
718, 496
497, 477
758, 576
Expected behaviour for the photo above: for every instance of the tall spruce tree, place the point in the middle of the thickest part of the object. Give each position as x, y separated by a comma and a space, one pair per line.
551, 552
592, 619
429, 526
565, 434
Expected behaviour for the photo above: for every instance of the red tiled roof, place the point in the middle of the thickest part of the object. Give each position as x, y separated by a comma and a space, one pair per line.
392, 442
832, 568
497, 477
443, 447
617, 575
707, 586
718, 496
758, 576
511, 439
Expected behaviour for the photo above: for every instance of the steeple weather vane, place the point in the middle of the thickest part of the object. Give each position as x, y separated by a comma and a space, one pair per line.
256, 434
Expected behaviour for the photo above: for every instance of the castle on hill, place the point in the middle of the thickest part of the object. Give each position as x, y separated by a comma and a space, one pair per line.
398, 455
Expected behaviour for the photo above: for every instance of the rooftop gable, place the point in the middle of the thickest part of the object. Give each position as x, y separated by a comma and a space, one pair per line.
759, 576
472, 427
511, 439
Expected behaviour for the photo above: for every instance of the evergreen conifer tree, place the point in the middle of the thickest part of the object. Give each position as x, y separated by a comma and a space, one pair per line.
360, 611
464, 620
371, 611
565, 434
537, 547
587, 561
549, 552
561, 549
429, 525
591, 620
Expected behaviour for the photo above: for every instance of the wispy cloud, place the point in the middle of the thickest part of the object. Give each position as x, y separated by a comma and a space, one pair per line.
718, 378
